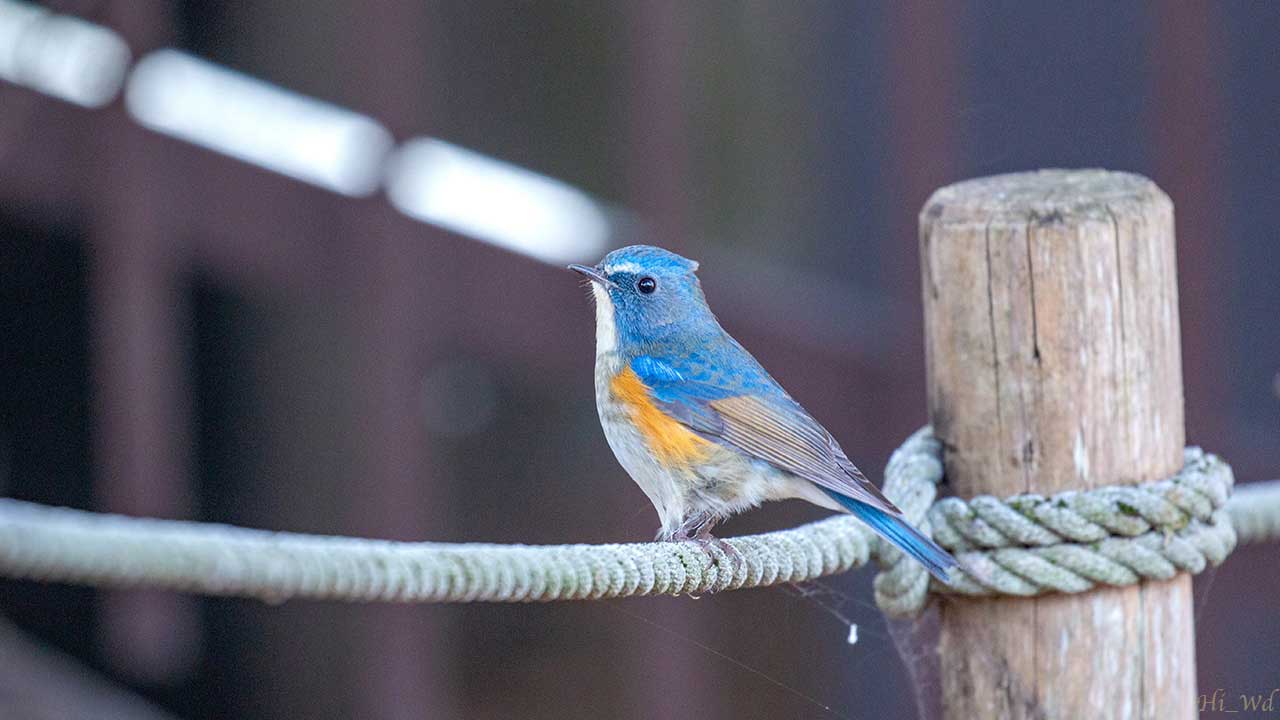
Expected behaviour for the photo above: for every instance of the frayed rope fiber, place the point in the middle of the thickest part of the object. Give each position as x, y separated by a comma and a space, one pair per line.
1025, 545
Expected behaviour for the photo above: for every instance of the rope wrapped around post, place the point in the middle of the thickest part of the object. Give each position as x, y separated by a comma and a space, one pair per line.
1070, 542
1025, 545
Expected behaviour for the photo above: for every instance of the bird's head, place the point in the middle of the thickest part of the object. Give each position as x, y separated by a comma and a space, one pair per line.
644, 293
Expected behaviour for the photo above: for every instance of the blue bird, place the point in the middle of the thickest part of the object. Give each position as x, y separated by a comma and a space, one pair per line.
699, 425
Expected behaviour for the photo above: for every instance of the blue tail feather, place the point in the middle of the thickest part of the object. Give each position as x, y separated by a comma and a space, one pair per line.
905, 537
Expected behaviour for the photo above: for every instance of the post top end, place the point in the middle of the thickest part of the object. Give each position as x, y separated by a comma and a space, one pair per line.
1043, 194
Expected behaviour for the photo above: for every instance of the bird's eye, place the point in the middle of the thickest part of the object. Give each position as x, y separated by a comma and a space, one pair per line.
646, 285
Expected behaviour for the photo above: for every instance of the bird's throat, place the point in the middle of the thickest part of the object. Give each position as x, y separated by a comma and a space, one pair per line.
606, 325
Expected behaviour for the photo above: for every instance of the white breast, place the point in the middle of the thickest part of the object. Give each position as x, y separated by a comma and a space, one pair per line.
664, 488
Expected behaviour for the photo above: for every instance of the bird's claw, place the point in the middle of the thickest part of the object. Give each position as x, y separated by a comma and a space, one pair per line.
697, 530
709, 543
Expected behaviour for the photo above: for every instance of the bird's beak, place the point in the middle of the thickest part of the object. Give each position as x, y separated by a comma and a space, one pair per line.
591, 274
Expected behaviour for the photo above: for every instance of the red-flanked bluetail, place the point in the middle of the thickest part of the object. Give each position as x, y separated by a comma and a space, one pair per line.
700, 426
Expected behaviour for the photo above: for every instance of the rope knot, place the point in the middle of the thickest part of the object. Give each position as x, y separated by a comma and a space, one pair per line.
1071, 542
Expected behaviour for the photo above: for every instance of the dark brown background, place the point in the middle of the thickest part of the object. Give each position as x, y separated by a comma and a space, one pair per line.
183, 335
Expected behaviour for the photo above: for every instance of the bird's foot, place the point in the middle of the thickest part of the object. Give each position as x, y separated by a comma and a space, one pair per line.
696, 529
694, 525
707, 541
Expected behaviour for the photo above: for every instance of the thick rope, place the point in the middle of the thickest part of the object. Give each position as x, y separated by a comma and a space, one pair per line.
1070, 542
1024, 546
38, 542
1254, 510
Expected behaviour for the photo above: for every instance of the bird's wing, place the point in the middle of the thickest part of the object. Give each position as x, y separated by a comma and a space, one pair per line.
767, 426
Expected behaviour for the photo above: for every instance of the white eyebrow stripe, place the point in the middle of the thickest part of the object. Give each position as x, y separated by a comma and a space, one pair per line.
623, 267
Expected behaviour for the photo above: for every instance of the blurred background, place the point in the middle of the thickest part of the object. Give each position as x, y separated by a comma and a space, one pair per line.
212, 308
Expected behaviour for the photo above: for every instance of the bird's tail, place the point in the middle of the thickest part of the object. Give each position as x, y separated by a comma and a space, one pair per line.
898, 531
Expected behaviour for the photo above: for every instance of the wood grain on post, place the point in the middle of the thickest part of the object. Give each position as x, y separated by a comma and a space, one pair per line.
1053, 352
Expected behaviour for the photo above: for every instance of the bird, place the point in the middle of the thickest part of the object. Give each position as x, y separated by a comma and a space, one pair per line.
700, 425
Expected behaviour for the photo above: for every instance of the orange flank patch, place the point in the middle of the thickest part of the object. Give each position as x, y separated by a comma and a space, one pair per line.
668, 439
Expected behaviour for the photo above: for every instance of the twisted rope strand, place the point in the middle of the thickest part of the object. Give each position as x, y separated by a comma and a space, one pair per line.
1024, 545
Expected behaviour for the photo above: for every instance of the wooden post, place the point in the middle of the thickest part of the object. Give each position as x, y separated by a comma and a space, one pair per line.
1052, 344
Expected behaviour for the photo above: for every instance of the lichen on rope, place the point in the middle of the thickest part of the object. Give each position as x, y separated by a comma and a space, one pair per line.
1024, 545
